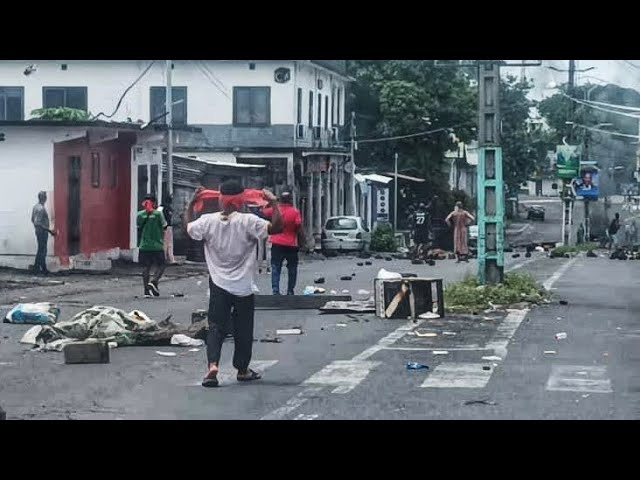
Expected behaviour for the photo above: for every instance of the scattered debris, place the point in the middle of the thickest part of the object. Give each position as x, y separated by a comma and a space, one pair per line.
479, 402
558, 318
440, 352
346, 277
345, 291
582, 373
417, 262
428, 315
449, 334
378, 257
166, 354
364, 306
360, 264
335, 292
527, 255
388, 259
271, 340
416, 366
364, 292
586, 395
194, 349
185, 341
368, 263
199, 282
549, 352
539, 249
289, 331
33, 314
486, 367
177, 295
492, 358
590, 254
353, 274
311, 290
409, 275
431, 263
108, 324
319, 280
561, 336
341, 324
386, 275
515, 255
112, 344
426, 334
605, 354
564, 302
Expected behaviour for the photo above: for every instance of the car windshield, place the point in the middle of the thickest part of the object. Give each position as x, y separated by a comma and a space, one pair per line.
341, 224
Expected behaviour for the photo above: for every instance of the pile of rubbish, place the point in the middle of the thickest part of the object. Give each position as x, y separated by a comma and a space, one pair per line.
33, 313
114, 326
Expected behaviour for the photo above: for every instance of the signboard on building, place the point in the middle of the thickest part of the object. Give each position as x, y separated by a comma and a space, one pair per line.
587, 185
382, 205
567, 161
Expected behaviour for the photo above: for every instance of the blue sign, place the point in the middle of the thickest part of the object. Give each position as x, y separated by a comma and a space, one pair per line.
587, 185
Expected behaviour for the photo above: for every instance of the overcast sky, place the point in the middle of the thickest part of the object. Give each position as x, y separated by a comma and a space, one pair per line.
610, 71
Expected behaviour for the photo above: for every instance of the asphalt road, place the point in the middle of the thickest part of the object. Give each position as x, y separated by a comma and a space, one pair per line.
355, 371
524, 231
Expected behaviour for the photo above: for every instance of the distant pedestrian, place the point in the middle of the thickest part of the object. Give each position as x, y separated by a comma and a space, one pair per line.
151, 227
40, 220
167, 210
614, 230
581, 234
460, 220
286, 245
230, 242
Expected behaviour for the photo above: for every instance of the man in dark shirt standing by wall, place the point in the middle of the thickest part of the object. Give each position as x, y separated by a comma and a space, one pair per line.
151, 225
40, 220
285, 245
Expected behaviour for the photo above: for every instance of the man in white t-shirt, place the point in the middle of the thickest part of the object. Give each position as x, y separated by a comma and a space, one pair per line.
230, 241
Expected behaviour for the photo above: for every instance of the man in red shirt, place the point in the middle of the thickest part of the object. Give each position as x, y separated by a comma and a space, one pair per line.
285, 245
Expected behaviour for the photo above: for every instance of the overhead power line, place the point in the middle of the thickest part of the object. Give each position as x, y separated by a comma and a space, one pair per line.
102, 114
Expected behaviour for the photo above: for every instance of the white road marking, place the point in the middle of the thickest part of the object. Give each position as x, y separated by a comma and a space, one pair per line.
312, 416
522, 264
292, 404
506, 330
345, 375
470, 348
307, 393
577, 378
458, 375
389, 340
556, 276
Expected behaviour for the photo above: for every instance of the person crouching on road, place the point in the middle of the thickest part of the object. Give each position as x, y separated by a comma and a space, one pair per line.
151, 227
230, 241
285, 245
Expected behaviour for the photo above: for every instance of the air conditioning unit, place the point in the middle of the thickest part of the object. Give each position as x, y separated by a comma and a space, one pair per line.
301, 130
317, 133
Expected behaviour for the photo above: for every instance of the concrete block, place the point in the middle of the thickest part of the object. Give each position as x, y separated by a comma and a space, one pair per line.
86, 352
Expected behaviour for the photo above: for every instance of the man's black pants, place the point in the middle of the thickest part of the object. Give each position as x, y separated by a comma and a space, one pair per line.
220, 304
42, 236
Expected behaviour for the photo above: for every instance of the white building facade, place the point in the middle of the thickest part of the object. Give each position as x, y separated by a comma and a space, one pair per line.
288, 115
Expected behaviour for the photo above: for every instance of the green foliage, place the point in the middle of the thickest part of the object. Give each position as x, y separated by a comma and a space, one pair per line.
61, 113
382, 239
470, 296
394, 97
563, 250
523, 152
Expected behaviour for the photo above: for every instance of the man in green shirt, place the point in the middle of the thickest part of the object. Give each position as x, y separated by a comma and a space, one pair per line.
151, 226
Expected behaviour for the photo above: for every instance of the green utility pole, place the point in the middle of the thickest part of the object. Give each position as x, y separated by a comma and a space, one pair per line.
490, 184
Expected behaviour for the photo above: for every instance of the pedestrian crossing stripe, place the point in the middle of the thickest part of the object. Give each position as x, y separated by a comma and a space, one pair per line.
577, 378
458, 375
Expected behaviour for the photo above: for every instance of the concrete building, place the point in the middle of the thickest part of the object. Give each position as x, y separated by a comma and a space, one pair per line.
89, 171
286, 115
